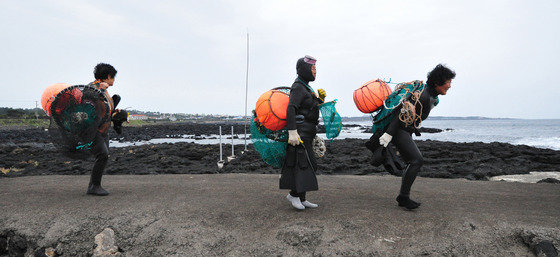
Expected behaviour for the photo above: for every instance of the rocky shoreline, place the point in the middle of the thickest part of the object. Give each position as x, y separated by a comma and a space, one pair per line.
27, 152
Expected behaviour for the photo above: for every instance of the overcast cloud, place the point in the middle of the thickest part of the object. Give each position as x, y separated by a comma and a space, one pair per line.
189, 56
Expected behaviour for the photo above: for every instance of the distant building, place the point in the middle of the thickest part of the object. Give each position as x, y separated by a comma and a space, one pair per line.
137, 117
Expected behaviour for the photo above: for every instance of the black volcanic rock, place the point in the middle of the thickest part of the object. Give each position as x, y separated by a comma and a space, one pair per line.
422, 130
549, 180
475, 161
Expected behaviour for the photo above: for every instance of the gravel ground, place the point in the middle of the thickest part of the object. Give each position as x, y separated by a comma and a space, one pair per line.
246, 215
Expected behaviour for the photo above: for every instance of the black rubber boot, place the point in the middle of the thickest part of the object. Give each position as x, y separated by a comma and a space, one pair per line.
96, 190
406, 202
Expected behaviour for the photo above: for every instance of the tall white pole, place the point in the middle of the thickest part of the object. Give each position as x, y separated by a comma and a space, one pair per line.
221, 159
232, 153
246, 89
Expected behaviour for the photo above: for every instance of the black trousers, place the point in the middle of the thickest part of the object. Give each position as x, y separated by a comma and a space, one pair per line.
411, 154
100, 151
298, 171
301, 195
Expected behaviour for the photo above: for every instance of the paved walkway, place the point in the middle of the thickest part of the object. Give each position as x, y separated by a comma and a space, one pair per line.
246, 214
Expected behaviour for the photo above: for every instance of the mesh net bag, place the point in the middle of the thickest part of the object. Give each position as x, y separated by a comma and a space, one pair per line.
271, 145
393, 103
77, 112
268, 132
331, 119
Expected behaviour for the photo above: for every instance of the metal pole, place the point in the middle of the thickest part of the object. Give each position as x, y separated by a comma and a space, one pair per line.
246, 89
232, 152
221, 159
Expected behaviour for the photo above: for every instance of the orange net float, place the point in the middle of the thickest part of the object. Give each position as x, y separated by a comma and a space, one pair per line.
271, 109
370, 96
49, 94
72, 94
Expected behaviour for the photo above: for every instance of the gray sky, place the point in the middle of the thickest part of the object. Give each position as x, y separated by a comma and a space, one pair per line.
189, 56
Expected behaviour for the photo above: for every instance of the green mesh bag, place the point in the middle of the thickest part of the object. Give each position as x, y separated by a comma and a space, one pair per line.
392, 104
271, 145
331, 119
77, 112
78, 118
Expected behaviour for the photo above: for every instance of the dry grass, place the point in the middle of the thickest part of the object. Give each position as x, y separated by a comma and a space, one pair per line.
8, 170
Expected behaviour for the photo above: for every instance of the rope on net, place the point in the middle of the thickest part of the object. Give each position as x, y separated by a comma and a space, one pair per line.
407, 96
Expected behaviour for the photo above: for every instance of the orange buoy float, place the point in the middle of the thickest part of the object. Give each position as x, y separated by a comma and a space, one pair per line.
71, 94
370, 96
49, 94
271, 109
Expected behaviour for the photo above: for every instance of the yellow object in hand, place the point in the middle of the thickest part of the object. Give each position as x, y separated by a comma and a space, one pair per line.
322, 94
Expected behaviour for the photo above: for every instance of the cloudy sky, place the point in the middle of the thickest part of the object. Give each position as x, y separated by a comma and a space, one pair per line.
190, 56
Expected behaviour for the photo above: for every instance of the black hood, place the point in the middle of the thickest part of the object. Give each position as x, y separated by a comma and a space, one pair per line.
303, 68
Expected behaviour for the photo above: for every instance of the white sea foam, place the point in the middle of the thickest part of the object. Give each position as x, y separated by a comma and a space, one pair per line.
541, 142
532, 177
210, 140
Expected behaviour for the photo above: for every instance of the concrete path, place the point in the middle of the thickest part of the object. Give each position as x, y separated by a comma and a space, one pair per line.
246, 215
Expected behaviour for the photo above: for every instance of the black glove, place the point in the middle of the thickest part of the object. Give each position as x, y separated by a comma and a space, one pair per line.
116, 100
119, 117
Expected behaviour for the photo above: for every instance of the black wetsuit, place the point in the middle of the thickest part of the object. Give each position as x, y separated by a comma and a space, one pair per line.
298, 170
100, 151
100, 147
402, 139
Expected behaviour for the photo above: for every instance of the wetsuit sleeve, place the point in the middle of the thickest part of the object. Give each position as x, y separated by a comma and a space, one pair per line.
297, 95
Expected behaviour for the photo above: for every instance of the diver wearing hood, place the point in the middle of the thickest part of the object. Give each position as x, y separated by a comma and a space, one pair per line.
300, 165
400, 134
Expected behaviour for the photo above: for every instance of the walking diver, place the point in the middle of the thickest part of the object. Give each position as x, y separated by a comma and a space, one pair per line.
300, 165
399, 131
104, 78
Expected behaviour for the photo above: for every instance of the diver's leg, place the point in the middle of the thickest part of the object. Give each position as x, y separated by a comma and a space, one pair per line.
294, 193
412, 156
101, 152
302, 196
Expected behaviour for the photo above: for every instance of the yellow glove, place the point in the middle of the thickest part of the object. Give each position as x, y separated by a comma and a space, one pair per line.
322, 94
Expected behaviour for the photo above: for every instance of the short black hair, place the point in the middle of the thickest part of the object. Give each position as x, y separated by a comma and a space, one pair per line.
439, 75
103, 71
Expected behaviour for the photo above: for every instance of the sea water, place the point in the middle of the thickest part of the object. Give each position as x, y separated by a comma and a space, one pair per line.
536, 133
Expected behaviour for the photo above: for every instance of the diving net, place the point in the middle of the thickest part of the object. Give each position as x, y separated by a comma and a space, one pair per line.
271, 145
331, 119
77, 112
268, 132
407, 93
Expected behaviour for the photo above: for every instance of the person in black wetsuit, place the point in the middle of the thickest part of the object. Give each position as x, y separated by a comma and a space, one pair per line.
104, 78
439, 81
300, 165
